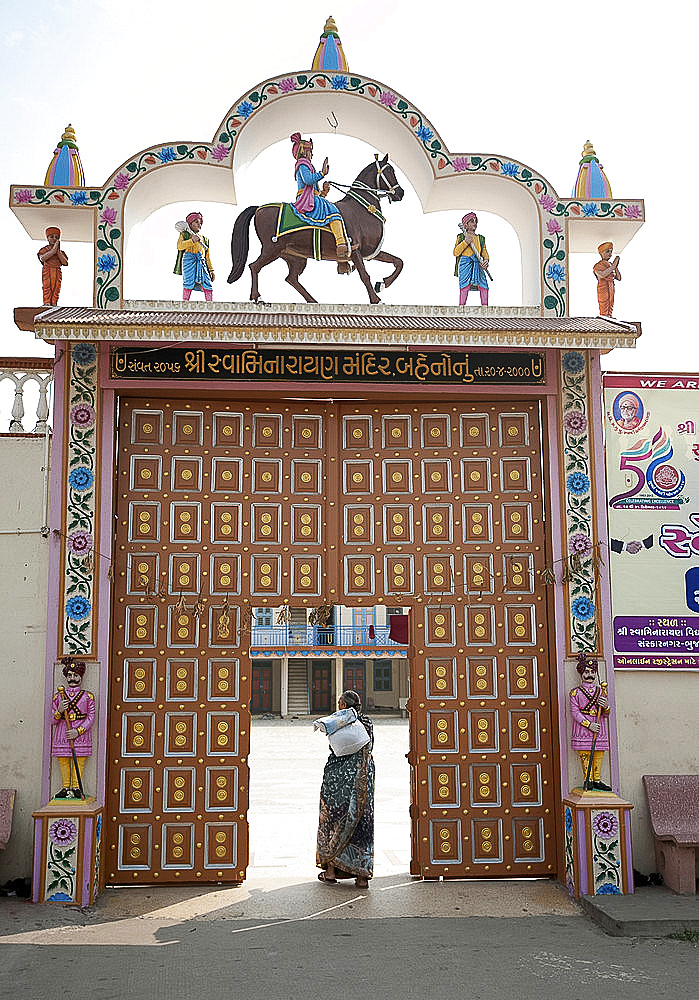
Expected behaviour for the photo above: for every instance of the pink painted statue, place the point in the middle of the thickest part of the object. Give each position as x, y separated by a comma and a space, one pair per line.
71, 722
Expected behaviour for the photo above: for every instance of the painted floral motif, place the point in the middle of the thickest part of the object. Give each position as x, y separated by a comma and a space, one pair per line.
83, 416
81, 479
556, 272
608, 890
84, 354
605, 825
78, 608
581, 586
63, 832
577, 484
575, 422
80, 543
606, 853
108, 216
573, 362
583, 609
580, 544
106, 263
60, 863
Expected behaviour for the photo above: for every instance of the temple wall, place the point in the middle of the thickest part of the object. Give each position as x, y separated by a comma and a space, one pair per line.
657, 715
23, 597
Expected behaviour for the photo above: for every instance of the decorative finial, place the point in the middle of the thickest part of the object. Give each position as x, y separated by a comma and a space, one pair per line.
66, 169
591, 181
329, 55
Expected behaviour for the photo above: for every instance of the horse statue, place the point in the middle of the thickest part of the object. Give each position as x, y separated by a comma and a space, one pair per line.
364, 224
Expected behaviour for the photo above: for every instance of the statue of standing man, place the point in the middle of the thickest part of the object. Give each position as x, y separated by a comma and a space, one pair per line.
52, 260
471, 260
607, 272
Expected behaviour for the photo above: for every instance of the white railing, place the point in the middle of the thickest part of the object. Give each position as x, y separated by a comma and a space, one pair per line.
37, 375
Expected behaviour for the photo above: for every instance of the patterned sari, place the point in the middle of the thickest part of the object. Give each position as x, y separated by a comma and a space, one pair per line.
346, 823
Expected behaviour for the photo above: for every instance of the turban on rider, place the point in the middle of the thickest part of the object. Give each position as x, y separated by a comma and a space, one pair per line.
53, 231
301, 147
194, 215
604, 246
584, 662
468, 217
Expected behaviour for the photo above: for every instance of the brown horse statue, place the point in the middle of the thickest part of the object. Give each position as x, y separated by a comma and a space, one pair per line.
363, 222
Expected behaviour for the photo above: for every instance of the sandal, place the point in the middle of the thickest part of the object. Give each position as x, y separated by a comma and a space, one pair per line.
322, 877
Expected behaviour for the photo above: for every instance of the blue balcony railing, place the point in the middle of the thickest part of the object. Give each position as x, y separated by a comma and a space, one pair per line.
326, 635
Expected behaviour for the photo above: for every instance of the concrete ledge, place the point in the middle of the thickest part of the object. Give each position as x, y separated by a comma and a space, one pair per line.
649, 912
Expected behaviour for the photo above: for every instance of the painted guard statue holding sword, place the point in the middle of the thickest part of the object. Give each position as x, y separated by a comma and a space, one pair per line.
71, 721
589, 709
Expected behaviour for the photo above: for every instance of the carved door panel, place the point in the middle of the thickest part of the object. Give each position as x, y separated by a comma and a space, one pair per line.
450, 508
219, 509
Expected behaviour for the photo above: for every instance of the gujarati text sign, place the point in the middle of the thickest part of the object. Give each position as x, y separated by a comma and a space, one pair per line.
237, 364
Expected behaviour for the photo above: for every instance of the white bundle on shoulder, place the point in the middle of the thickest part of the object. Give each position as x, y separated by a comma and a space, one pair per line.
345, 732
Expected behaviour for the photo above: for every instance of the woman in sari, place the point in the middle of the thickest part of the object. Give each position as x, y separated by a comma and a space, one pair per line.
345, 847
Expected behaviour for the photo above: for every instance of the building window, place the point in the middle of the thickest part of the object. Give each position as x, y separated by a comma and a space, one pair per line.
383, 676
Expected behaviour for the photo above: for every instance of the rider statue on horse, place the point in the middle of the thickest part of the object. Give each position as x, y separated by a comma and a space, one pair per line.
311, 205
349, 232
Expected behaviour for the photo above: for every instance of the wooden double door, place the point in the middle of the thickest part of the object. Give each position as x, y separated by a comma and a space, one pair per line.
225, 506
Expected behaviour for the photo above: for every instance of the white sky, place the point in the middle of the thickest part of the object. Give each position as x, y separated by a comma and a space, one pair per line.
531, 82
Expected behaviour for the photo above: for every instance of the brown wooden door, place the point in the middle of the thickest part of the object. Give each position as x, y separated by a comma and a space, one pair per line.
321, 687
443, 512
222, 508
353, 678
261, 699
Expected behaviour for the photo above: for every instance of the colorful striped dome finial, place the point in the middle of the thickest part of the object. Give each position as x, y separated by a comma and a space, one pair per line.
329, 55
66, 169
591, 180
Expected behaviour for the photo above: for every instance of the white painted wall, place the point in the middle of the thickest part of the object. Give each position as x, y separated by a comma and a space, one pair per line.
657, 723
23, 587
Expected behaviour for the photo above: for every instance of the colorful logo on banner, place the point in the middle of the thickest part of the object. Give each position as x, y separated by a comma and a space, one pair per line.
664, 480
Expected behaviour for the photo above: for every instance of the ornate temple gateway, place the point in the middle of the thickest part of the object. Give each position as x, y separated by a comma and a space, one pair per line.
396, 499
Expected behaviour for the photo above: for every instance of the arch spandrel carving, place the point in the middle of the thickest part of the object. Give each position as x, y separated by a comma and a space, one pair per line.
547, 225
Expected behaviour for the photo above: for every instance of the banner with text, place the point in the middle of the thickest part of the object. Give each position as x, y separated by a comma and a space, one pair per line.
652, 457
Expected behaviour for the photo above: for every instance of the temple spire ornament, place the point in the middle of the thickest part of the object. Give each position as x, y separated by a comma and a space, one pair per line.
591, 181
66, 169
329, 55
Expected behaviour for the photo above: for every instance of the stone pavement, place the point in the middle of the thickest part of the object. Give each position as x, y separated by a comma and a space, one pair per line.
286, 760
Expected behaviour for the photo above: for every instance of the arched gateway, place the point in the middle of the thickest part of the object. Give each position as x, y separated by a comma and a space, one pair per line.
431, 466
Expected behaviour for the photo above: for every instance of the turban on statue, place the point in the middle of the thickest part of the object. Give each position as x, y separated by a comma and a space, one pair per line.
584, 662
469, 215
194, 215
604, 246
53, 231
74, 666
